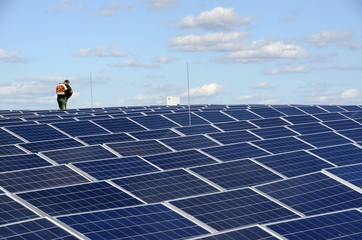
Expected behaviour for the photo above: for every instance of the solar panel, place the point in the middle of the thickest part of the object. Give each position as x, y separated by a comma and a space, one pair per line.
342, 225
140, 148
342, 124
35, 229
351, 173
267, 112
236, 174
154, 134
245, 233
290, 111
313, 194
329, 116
273, 132
354, 134
200, 129
332, 108
309, 128
80, 128
7, 138
312, 109
154, 122
269, 122
114, 168
106, 138
181, 159
39, 146
294, 163
189, 142
235, 151
142, 222
117, 125
242, 114
21, 161
39, 132
12, 211
324, 139
351, 108
79, 198
10, 150
39, 178
163, 186
183, 119
215, 116
233, 209
353, 115
79, 154
233, 137
340, 155
280, 145
236, 125
301, 119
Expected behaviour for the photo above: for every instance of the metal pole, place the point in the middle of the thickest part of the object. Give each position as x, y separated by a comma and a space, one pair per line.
91, 90
188, 92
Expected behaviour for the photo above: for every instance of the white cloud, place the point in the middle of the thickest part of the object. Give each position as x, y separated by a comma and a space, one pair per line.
206, 90
247, 97
135, 64
160, 4
148, 99
339, 37
288, 70
263, 50
101, 51
262, 85
164, 60
291, 17
210, 42
64, 5
350, 93
219, 18
346, 67
110, 10
12, 57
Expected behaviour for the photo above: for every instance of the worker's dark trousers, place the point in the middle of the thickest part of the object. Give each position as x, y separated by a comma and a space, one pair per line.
62, 102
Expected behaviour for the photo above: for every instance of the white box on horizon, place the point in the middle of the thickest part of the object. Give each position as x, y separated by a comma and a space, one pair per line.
173, 101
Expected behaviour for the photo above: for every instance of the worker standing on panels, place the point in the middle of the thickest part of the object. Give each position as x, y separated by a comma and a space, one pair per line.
64, 92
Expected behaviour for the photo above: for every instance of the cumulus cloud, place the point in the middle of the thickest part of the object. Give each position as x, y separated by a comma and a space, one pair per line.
339, 37
165, 60
288, 70
346, 67
135, 64
291, 17
209, 42
110, 10
219, 18
149, 99
101, 51
206, 90
13, 57
160, 4
65, 5
263, 50
350, 93
262, 85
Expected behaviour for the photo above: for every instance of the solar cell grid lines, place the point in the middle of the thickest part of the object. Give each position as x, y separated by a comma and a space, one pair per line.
140, 148
189, 142
324, 139
39, 146
280, 145
154, 122
118, 125
199, 129
245, 233
39, 132
80, 128
10, 150
12, 211
184, 119
215, 116
342, 124
242, 114
236, 125
154, 134
309, 128
301, 119
273, 132
269, 122
233, 137
21, 161
351, 173
106, 138
267, 112
312, 109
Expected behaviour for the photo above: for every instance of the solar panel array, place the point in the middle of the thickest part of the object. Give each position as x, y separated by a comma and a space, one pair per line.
174, 172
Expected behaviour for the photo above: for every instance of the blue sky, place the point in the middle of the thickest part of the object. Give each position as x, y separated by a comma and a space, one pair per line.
238, 52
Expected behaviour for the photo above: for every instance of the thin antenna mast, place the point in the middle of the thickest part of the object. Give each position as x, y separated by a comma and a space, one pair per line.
188, 91
91, 90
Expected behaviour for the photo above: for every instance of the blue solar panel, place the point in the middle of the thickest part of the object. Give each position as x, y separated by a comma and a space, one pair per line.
340, 155
117, 125
184, 119
353, 115
79, 154
353, 134
332, 108
301, 119
154, 134
343, 124
242, 114
142, 222
342, 225
39, 132
35, 229
236, 174
10, 150
141, 148
269, 122
163, 186
189, 142
280, 145
39, 178
329, 116
351, 108
12, 211
294, 163
234, 151
114, 168
267, 112
273, 132
313, 194
80, 128
36, 147
7, 138
312, 109
106, 138
236, 125
233, 137
201, 129
79, 198
324, 139
309, 128
245, 233
290, 111
233, 209
351, 173
215, 117
154, 122
21, 161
